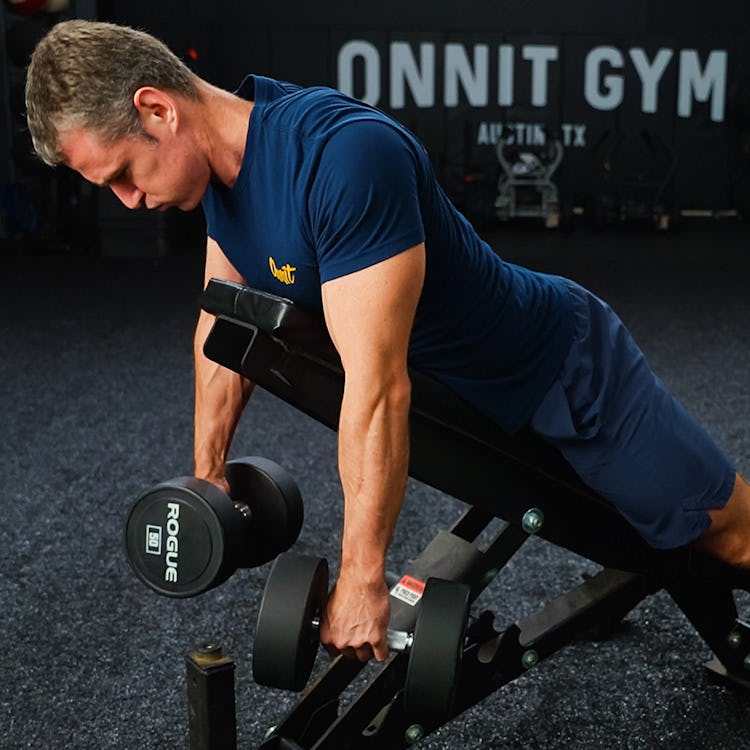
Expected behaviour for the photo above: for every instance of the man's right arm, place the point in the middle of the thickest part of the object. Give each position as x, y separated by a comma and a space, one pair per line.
220, 394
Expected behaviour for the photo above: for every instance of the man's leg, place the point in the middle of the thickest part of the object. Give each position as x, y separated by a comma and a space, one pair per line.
631, 441
728, 536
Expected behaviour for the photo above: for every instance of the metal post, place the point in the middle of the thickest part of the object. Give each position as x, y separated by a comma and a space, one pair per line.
211, 706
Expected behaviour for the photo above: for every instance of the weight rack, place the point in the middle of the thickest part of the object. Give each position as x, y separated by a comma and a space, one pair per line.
286, 350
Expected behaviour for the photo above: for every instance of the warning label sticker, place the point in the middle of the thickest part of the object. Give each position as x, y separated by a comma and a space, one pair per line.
408, 590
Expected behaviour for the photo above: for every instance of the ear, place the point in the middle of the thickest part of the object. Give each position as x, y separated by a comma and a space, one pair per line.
157, 110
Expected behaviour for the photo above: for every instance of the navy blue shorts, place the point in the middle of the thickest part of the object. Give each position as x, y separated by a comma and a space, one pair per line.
627, 437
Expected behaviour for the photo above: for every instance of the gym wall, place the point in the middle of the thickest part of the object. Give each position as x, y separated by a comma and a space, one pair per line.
670, 80
654, 86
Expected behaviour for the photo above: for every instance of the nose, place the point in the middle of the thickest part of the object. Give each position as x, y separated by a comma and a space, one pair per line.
131, 196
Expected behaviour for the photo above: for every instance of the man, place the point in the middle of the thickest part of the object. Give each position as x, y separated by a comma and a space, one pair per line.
326, 201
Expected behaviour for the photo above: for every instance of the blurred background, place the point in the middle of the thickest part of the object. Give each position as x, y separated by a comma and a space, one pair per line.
605, 141
598, 113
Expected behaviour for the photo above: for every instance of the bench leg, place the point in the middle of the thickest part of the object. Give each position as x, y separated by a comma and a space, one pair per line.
712, 611
600, 601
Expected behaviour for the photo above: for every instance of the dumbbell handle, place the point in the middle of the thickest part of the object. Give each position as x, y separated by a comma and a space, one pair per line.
398, 640
243, 509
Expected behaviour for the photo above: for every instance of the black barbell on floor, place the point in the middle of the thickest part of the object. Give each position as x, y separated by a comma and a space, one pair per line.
287, 634
186, 535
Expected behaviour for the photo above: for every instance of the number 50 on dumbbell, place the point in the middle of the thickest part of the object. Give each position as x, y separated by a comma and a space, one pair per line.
185, 536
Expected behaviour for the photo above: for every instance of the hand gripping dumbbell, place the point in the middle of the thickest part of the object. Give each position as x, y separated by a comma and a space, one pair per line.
186, 535
287, 634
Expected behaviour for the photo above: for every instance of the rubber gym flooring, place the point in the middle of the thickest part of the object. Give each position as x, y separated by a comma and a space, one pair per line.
96, 401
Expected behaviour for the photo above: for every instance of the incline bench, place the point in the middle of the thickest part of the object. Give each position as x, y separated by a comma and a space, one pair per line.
286, 350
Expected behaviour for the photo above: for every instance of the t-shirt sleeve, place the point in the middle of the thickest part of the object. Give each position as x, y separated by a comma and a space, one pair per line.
364, 205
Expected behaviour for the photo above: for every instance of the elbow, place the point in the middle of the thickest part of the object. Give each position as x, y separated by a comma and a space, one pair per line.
393, 394
202, 329
399, 394
367, 395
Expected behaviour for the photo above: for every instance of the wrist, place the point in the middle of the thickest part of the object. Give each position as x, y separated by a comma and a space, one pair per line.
366, 570
209, 458
210, 476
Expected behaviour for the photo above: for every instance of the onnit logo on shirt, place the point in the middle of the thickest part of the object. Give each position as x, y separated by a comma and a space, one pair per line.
285, 274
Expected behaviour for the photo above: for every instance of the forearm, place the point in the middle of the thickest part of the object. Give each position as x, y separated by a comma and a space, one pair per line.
369, 315
373, 464
220, 397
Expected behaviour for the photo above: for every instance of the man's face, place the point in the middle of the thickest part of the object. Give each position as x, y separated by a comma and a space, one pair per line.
142, 172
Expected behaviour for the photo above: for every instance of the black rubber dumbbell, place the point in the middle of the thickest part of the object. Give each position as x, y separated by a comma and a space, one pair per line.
287, 634
186, 536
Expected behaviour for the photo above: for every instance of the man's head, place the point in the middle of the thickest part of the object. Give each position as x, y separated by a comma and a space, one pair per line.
84, 75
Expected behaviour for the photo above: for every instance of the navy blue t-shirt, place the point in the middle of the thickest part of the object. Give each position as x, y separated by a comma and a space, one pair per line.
329, 186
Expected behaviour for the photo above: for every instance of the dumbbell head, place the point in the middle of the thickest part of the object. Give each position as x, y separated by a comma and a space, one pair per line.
286, 636
275, 505
186, 535
182, 536
436, 650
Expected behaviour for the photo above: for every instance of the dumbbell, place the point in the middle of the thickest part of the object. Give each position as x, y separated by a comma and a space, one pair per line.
185, 536
287, 634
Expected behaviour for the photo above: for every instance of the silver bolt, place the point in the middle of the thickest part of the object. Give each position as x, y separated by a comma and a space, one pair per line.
734, 640
414, 734
529, 659
270, 732
533, 520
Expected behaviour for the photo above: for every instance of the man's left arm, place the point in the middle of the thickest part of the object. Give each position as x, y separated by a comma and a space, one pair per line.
370, 314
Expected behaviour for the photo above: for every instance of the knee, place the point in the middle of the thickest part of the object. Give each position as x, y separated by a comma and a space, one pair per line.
728, 536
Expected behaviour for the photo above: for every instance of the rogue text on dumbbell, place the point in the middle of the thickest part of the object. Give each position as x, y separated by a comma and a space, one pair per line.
173, 542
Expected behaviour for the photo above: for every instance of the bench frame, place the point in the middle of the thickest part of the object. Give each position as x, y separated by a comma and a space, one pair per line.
287, 351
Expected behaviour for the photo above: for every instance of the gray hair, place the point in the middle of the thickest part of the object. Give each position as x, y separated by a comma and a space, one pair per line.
85, 73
